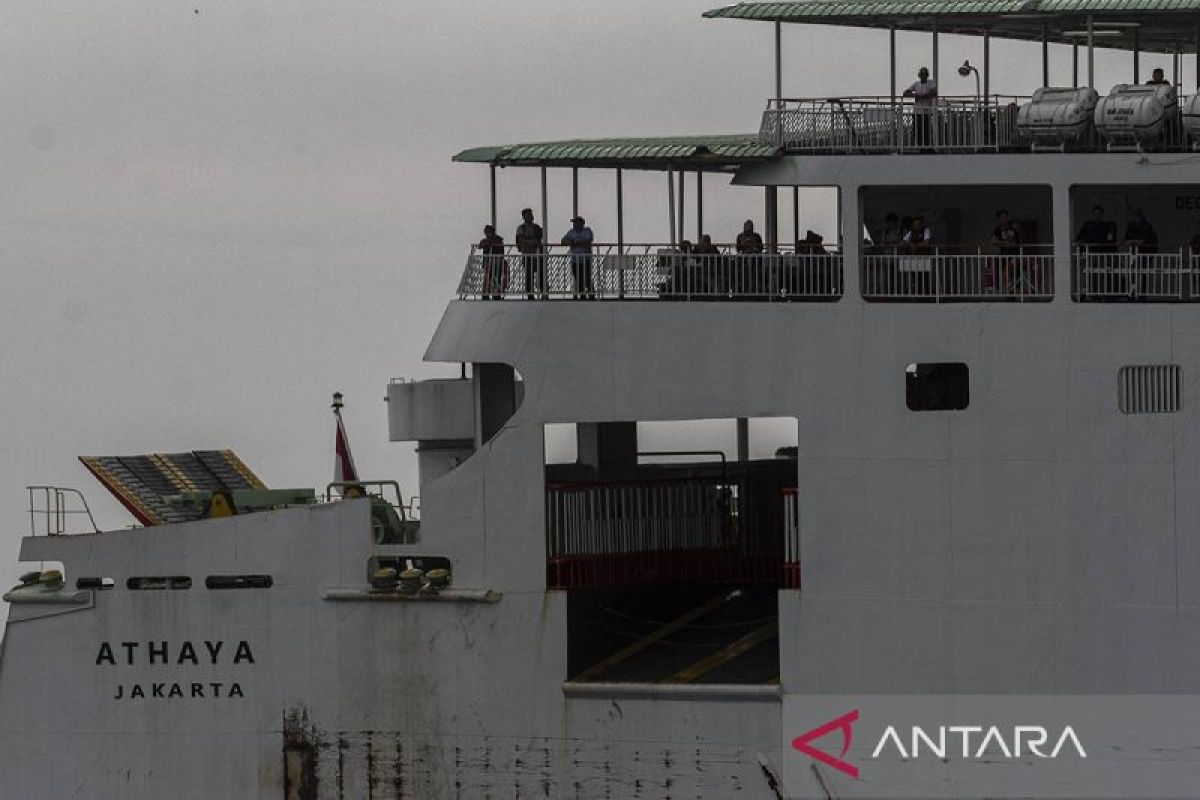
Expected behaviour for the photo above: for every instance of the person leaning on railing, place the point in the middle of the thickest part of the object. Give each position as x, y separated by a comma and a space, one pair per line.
924, 93
1007, 241
495, 270
530, 240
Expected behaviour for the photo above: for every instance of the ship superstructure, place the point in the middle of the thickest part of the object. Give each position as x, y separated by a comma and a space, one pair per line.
987, 492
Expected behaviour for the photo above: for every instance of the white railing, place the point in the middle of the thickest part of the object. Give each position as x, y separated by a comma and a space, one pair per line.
648, 516
656, 271
52, 507
944, 273
879, 124
1101, 276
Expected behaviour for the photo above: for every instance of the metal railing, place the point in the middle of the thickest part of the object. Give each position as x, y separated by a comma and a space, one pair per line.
653, 271
947, 273
1100, 275
55, 509
950, 125
884, 125
638, 517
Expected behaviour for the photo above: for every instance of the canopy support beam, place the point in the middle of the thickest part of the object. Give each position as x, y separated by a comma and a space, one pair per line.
796, 213
545, 222
682, 227
934, 66
892, 59
574, 191
1137, 52
1045, 56
620, 234
699, 204
1091, 40
671, 202
492, 192
987, 65
778, 64
1075, 65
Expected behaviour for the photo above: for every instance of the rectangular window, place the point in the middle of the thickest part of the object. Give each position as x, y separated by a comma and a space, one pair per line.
937, 387
1150, 389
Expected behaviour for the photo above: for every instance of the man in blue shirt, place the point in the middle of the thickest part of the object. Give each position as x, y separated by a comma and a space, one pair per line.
579, 240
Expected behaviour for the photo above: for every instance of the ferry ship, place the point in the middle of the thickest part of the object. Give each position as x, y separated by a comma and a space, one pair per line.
967, 575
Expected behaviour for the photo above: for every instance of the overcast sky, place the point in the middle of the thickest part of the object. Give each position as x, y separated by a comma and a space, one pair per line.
215, 214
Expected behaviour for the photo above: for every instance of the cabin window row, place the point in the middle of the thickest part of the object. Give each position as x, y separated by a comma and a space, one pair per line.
178, 582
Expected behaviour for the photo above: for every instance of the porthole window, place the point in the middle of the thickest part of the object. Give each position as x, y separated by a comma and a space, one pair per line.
937, 387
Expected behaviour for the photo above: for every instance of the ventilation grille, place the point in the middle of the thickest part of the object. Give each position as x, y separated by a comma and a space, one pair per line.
1151, 389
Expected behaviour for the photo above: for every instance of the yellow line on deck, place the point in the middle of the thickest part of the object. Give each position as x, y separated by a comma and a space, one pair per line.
659, 634
709, 663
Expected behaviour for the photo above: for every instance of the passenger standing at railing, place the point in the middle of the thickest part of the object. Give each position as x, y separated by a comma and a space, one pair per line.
749, 277
924, 93
1097, 235
1007, 241
704, 279
1140, 236
530, 240
893, 232
1157, 78
579, 239
495, 271
919, 234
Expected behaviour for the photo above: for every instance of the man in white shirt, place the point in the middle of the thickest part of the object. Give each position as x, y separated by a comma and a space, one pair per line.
924, 94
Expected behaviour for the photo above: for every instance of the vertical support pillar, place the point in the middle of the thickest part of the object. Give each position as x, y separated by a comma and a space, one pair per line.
1176, 59
987, 65
743, 439
1075, 65
933, 68
1137, 52
1062, 233
1045, 56
671, 202
771, 199
681, 173
545, 214
699, 204
796, 213
778, 65
892, 60
574, 191
1091, 39
849, 240
1197, 42
492, 177
620, 235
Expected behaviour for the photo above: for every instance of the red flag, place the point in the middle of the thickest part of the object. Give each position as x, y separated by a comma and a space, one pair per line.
344, 470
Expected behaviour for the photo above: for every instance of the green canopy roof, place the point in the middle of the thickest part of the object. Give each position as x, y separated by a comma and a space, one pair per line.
687, 152
1164, 26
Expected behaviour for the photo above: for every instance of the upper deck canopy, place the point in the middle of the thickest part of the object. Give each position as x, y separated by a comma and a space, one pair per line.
1163, 26
713, 153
